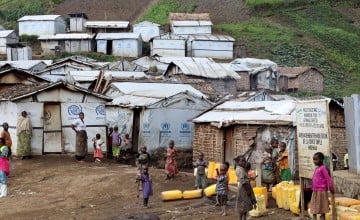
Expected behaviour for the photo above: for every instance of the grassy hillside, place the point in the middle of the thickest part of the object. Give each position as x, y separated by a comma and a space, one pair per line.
291, 32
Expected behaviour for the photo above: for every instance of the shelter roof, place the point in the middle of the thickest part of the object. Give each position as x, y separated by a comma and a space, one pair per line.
81, 76
72, 59
107, 24
69, 36
293, 72
124, 65
22, 64
5, 33
210, 37
115, 36
169, 36
39, 18
23, 74
17, 92
189, 16
155, 90
256, 64
264, 112
190, 23
205, 69
168, 60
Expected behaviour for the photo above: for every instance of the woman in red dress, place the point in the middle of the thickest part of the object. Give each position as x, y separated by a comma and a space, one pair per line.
170, 165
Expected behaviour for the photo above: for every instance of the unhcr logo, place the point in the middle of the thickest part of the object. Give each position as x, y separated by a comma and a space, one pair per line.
74, 109
100, 110
165, 129
185, 128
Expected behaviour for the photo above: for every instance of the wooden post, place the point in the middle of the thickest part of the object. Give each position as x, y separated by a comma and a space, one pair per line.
302, 202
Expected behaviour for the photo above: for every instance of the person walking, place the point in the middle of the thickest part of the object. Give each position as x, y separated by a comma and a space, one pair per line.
81, 148
24, 133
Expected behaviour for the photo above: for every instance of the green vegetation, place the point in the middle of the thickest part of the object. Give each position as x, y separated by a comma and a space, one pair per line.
12, 10
97, 56
30, 39
159, 12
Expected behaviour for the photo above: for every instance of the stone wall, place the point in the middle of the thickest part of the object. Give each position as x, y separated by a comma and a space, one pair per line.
208, 140
338, 134
243, 84
311, 80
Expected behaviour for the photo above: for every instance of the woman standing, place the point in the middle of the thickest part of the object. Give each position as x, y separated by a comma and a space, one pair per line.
24, 132
79, 127
170, 164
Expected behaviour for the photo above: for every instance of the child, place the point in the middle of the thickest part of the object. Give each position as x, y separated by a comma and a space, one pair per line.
142, 158
97, 148
245, 200
267, 174
200, 164
115, 143
109, 139
222, 189
146, 181
283, 161
321, 183
4, 167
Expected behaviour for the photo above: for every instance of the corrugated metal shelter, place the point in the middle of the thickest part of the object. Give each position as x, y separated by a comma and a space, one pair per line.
18, 51
75, 42
148, 30
7, 37
188, 24
32, 66
41, 25
233, 128
52, 108
77, 22
154, 113
221, 79
107, 26
58, 72
168, 45
213, 46
119, 44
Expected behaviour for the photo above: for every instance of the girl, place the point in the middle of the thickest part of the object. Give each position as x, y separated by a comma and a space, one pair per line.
97, 148
245, 199
115, 142
170, 163
321, 183
4, 167
283, 161
146, 181
222, 188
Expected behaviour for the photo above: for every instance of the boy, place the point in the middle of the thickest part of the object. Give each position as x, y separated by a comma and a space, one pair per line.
222, 189
283, 161
200, 164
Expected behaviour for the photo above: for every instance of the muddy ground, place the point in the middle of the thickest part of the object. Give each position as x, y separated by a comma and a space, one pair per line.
56, 187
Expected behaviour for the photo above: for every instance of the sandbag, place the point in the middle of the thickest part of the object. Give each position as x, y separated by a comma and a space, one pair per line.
210, 190
192, 194
171, 195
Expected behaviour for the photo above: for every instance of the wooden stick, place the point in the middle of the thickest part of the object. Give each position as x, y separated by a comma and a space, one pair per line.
302, 185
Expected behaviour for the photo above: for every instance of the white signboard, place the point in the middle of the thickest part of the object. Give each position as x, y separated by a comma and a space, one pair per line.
313, 134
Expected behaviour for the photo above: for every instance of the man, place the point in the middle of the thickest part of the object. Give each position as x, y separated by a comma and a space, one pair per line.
6, 135
24, 133
79, 127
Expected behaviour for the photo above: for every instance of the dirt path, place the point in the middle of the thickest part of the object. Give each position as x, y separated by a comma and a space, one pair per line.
55, 187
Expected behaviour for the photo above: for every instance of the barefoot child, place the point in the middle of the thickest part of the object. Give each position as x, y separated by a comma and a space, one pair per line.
245, 199
283, 161
115, 143
97, 148
142, 158
200, 164
146, 183
4, 167
222, 189
321, 183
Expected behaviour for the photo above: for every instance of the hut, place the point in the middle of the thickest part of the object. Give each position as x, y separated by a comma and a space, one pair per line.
51, 107
213, 46
41, 25
235, 128
77, 22
119, 44
107, 26
304, 78
188, 24
18, 51
154, 113
148, 30
7, 37
222, 80
168, 45
71, 43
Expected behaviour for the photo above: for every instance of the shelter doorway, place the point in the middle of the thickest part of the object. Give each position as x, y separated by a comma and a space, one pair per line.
52, 128
109, 47
136, 129
228, 144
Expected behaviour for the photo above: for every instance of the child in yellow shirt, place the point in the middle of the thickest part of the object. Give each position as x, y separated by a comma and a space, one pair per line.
283, 160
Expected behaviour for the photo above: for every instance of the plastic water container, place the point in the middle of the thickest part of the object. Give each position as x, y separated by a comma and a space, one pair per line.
259, 190
350, 216
260, 206
210, 190
192, 194
171, 195
232, 176
211, 168
285, 198
217, 166
273, 192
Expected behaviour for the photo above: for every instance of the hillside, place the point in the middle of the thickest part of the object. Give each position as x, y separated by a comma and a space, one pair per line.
290, 32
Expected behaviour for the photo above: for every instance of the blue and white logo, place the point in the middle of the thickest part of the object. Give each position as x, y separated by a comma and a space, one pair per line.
165, 126
74, 109
146, 126
185, 126
100, 110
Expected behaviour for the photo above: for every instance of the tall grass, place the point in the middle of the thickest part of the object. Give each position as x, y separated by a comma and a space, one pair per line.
159, 12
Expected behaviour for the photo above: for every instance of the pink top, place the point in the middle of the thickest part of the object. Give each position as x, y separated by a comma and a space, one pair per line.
321, 180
